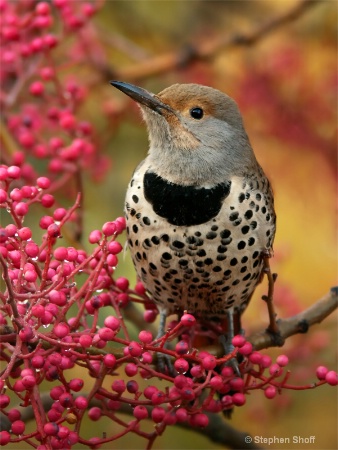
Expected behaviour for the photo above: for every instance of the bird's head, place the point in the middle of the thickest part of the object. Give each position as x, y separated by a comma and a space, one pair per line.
196, 133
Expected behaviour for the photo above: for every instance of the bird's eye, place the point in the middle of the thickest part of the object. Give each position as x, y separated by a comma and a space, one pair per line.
196, 113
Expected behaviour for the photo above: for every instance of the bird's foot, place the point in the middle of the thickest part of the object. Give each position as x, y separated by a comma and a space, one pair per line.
228, 349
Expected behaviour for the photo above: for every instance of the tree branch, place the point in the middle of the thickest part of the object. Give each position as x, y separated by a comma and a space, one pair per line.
300, 323
206, 49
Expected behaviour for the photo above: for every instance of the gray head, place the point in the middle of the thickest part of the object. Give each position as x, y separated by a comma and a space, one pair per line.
196, 134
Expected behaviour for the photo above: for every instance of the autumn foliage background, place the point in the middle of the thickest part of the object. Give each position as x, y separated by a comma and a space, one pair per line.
286, 87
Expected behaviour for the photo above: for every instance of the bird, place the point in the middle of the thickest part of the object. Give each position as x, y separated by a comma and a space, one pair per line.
199, 208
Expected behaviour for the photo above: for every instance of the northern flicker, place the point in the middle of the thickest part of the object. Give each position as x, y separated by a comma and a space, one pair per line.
199, 208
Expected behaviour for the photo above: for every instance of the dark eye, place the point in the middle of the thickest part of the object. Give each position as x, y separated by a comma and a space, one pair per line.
196, 113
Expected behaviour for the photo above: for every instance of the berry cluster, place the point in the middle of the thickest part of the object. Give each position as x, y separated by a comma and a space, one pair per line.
56, 296
40, 104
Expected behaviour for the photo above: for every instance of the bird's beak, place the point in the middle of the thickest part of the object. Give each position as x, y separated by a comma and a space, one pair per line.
142, 96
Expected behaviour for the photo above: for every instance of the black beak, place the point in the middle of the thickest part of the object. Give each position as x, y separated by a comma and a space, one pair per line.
141, 96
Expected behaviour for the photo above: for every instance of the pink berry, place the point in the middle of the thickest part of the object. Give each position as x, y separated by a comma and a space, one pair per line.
51, 429
321, 372
42, 8
122, 283
47, 200
53, 230
61, 253
145, 336
21, 209
61, 330
245, 349
275, 370
94, 413
114, 247
238, 399
14, 172
255, 358
238, 341
112, 322
188, 320
26, 334
131, 369
119, 386
158, 397
106, 334
76, 384
85, 340
120, 224
150, 315
43, 182
199, 420
237, 384
182, 347
109, 360
266, 361
109, 228
181, 365
29, 381
181, 414
216, 382
270, 392
157, 414
5, 437
14, 414
331, 378
4, 400
25, 233
140, 412
37, 88
135, 349
95, 236
59, 214
3, 196
81, 402
209, 362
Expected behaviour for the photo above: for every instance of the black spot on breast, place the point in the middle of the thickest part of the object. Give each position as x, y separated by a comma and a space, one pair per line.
183, 205
183, 262
211, 235
217, 269
248, 214
245, 229
233, 216
208, 261
135, 228
251, 241
135, 198
178, 244
146, 220
241, 245
165, 237
167, 256
201, 252
253, 225
132, 212
244, 259
221, 257
233, 261
241, 197
155, 240
225, 234
222, 249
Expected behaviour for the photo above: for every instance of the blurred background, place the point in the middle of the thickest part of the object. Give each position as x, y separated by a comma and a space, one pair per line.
285, 84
